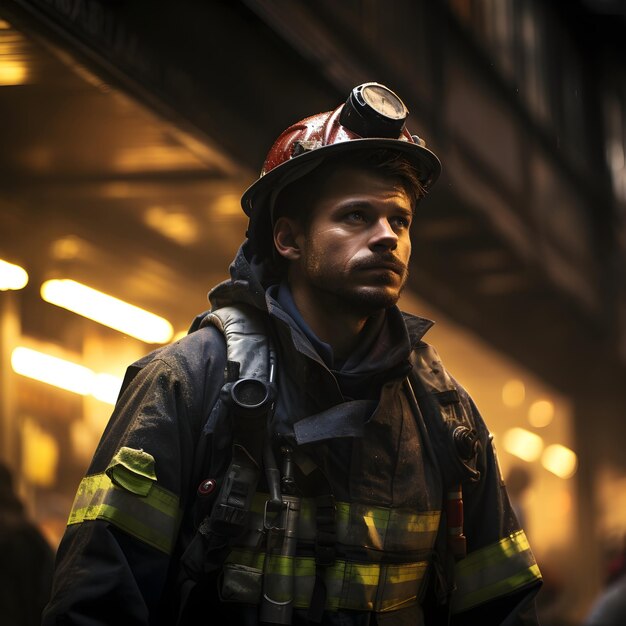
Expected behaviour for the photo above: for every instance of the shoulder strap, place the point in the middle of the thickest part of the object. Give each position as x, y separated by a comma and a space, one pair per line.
249, 388
247, 339
246, 396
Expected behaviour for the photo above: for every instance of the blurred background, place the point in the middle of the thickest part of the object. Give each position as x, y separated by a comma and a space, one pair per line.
129, 130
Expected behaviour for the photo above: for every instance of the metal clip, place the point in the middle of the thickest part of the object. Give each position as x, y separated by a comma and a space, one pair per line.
277, 515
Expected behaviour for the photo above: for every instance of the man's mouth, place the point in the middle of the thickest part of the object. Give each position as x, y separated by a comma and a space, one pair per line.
385, 265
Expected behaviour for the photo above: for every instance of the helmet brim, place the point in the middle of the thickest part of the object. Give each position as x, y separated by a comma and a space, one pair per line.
426, 163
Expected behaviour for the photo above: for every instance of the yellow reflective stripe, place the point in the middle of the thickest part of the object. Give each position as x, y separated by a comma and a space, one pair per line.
385, 529
279, 577
350, 586
278, 565
494, 571
247, 558
153, 518
361, 525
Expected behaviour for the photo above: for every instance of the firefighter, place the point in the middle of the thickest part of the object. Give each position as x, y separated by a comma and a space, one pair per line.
303, 456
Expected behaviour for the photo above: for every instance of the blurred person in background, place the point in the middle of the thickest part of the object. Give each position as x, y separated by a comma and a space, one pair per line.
302, 456
26, 561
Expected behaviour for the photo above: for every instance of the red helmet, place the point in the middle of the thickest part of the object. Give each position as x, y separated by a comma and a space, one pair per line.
372, 117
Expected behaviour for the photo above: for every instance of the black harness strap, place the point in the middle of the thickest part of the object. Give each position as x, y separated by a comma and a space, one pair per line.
325, 552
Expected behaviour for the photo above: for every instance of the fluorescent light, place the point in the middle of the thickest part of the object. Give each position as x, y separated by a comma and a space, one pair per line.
560, 460
65, 374
106, 388
12, 276
523, 444
107, 310
52, 370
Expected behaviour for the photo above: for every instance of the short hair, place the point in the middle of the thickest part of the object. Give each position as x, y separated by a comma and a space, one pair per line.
296, 200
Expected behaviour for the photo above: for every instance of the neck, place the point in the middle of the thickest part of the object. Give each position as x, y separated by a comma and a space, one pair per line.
330, 319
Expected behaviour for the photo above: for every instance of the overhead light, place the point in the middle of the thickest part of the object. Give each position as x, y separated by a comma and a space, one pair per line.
106, 388
52, 370
541, 413
107, 310
513, 393
66, 248
12, 73
560, 460
65, 374
12, 276
523, 444
175, 223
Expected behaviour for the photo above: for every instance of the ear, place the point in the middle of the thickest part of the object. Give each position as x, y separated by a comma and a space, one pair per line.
288, 238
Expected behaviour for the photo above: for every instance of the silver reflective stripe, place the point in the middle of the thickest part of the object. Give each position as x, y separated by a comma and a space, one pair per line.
494, 571
153, 519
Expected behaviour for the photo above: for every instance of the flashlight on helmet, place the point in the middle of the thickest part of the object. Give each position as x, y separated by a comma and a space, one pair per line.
373, 110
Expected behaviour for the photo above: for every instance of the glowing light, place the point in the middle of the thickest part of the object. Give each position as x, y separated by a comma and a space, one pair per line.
52, 370
12, 73
560, 460
541, 413
12, 276
66, 248
65, 374
175, 224
513, 393
106, 388
523, 444
107, 310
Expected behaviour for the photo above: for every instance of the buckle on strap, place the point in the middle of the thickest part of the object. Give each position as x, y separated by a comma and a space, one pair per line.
274, 509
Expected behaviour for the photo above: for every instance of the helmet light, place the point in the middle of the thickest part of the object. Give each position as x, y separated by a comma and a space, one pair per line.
373, 110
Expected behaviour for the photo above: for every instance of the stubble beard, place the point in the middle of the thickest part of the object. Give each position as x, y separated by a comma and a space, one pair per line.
343, 292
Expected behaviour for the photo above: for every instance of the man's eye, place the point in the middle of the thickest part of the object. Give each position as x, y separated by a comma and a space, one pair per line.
355, 216
401, 222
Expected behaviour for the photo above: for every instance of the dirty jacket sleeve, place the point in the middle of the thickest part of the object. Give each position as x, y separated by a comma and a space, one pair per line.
498, 579
113, 562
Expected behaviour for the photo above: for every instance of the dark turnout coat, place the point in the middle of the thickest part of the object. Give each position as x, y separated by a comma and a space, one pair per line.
137, 510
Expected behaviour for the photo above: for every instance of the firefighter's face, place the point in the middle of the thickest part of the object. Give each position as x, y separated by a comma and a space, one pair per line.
355, 250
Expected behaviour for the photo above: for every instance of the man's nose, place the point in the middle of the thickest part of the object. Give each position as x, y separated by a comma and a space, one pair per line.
383, 235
